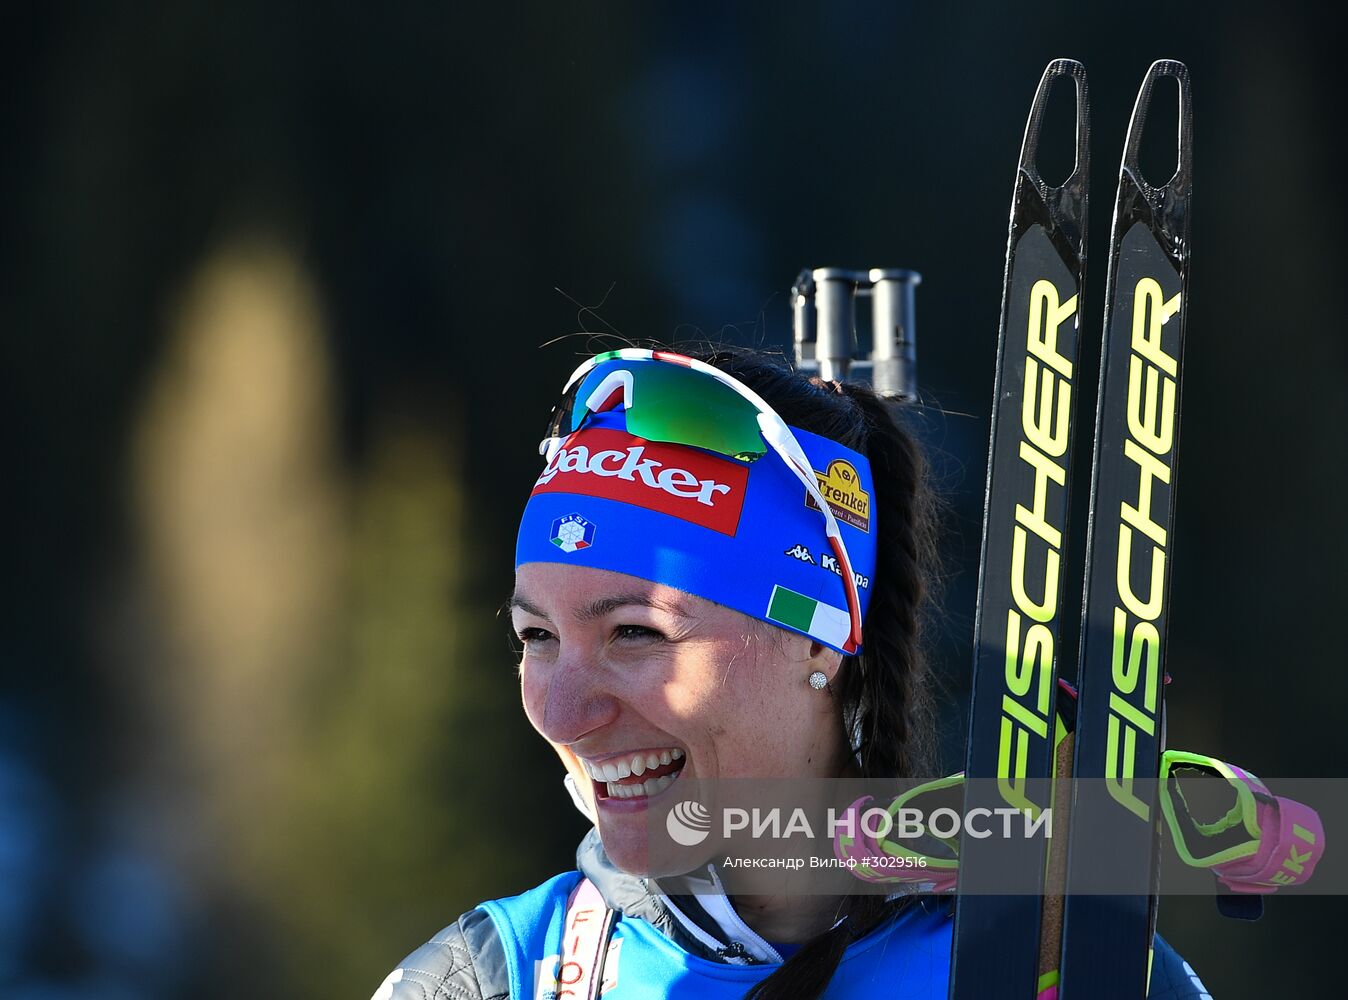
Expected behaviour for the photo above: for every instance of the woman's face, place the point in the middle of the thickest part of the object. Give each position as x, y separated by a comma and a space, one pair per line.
639, 686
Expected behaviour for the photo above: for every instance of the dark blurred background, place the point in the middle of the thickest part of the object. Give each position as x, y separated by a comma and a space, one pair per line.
274, 281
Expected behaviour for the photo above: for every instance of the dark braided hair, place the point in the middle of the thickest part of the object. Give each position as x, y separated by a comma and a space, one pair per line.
885, 692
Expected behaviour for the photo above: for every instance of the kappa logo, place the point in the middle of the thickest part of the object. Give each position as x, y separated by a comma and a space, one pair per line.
683, 482
572, 533
830, 563
827, 561
841, 488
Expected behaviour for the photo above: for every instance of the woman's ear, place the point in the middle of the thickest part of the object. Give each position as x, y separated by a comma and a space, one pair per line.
825, 659
805, 653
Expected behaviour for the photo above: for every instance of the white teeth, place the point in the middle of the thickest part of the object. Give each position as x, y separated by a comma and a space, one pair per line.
655, 786
643, 788
638, 764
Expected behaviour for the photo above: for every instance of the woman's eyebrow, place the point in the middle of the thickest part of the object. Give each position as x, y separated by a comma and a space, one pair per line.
525, 605
605, 605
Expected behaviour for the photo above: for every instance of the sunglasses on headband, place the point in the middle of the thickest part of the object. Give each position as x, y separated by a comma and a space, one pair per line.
675, 399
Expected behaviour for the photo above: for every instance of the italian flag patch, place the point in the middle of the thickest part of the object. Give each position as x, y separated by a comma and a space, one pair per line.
805, 614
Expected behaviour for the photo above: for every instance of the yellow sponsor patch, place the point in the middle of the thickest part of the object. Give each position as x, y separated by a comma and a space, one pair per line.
841, 487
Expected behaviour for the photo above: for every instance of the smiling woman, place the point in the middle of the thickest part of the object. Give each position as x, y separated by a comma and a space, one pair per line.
635, 689
721, 573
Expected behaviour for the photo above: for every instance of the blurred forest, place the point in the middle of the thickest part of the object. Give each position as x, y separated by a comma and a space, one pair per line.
275, 285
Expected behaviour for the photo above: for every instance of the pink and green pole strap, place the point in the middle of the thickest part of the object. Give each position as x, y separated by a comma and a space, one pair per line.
930, 866
1284, 841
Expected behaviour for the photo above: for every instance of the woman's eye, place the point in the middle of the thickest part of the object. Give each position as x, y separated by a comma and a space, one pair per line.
632, 633
636, 632
532, 635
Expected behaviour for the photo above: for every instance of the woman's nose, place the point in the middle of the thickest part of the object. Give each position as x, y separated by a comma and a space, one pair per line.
571, 699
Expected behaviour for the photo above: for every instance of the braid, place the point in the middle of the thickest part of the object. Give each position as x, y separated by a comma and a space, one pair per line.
888, 683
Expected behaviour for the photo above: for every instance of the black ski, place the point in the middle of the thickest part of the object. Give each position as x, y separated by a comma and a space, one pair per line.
1017, 623
1115, 822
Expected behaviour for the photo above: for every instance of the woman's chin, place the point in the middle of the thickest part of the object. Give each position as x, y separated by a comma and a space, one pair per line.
637, 855
628, 853
641, 845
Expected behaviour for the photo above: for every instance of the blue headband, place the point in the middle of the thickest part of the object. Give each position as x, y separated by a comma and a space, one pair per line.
744, 535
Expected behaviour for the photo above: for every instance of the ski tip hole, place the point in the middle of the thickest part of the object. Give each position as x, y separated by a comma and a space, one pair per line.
1157, 157
1055, 155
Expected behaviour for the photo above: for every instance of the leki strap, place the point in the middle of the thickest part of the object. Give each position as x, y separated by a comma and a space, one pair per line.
1263, 842
928, 865
585, 934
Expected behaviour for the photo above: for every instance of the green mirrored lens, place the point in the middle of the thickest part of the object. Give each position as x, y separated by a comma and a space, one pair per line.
676, 405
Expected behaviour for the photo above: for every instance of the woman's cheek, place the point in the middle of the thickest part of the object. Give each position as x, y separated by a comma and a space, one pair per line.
683, 700
714, 683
